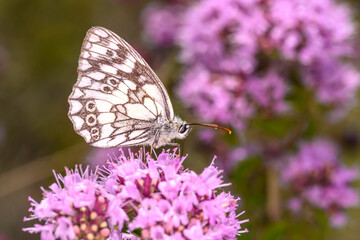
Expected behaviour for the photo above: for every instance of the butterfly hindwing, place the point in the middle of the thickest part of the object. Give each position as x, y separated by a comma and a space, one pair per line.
117, 96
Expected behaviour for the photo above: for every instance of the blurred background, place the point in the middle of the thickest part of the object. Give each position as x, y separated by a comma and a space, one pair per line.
283, 75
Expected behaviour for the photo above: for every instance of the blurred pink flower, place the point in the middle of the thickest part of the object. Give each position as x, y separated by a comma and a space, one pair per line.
307, 30
224, 94
231, 99
161, 23
317, 177
334, 82
268, 92
222, 35
97, 157
235, 54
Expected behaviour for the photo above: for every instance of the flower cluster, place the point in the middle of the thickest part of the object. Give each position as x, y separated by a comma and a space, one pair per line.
161, 22
74, 208
301, 32
317, 178
334, 83
130, 199
227, 43
247, 50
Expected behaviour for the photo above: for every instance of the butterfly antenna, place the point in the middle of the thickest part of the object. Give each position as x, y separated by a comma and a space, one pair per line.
211, 125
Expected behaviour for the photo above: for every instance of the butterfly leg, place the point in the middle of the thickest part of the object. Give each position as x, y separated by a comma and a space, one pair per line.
143, 153
151, 150
155, 138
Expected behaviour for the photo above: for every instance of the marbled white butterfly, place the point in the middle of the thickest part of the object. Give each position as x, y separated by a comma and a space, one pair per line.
118, 100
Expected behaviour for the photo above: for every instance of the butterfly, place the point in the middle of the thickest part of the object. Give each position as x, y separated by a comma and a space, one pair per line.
118, 100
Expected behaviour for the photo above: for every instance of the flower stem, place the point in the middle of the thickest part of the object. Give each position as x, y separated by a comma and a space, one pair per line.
273, 194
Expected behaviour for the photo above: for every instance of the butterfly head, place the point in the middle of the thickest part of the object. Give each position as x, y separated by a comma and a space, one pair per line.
179, 128
183, 130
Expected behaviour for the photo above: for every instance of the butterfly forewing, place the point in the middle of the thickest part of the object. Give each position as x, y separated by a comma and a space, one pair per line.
117, 97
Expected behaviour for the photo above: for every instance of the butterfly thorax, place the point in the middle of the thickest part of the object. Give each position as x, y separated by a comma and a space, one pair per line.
167, 130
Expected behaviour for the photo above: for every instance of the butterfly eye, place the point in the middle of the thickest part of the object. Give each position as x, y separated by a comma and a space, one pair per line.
183, 128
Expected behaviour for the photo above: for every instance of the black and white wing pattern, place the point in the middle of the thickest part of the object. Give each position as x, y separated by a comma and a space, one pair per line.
117, 97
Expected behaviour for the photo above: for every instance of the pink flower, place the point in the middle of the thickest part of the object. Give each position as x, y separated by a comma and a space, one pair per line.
168, 199
238, 55
161, 23
334, 82
224, 94
305, 31
268, 92
74, 208
318, 178
156, 198
222, 35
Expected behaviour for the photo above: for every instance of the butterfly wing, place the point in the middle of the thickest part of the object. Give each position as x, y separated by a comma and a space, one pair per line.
117, 97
